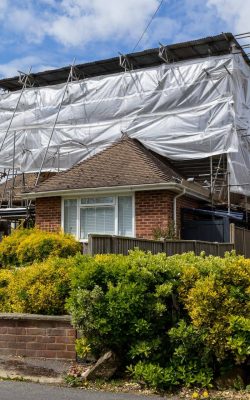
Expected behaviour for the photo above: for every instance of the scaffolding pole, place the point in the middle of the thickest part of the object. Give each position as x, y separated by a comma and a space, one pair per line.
246, 207
13, 170
24, 81
71, 77
211, 179
228, 190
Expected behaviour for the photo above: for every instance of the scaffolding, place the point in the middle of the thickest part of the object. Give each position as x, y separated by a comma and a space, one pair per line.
51, 128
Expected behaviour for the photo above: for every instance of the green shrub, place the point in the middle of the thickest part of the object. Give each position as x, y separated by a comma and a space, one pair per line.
114, 304
174, 320
24, 246
38, 289
157, 377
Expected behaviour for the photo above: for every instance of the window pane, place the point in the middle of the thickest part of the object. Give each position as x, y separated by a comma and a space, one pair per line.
97, 200
97, 220
125, 216
70, 216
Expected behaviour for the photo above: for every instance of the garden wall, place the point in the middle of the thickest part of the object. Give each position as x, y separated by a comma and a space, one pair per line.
37, 336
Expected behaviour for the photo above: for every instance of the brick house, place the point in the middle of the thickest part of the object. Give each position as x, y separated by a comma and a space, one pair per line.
124, 190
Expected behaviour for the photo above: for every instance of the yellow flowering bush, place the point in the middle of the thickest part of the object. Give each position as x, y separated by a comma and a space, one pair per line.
6, 276
9, 246
39, 289
24, 246
218, 303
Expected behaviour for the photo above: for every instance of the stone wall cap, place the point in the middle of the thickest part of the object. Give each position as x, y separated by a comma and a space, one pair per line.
35, 317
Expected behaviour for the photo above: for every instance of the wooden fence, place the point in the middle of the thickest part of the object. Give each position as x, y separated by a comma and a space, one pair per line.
105, 244
241, 239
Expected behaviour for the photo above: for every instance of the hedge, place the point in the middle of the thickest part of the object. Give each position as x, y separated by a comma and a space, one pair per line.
41, 288
172, 321
25, 246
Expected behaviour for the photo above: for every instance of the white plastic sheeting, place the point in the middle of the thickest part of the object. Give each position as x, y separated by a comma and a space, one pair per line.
187, 110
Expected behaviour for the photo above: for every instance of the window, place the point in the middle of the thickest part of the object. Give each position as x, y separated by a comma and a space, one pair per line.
70, 216
125, 216
110, 215
97, 220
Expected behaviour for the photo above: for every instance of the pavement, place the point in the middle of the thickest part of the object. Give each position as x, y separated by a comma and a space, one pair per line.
11, 390
43, 380
33, 369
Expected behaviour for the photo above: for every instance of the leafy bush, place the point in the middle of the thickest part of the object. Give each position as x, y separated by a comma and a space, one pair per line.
218, 303
174, 320
157, 377
25, 246
38, 289
9, 246
6, 276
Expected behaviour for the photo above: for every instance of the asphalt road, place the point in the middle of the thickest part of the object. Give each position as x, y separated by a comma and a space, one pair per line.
11, 390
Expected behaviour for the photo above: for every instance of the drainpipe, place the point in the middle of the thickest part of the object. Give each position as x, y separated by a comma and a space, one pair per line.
175, 207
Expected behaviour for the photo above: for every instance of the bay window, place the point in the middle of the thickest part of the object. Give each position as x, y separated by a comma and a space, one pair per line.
110, 215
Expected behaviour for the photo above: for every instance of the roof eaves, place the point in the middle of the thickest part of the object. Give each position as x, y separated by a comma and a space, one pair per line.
176, 187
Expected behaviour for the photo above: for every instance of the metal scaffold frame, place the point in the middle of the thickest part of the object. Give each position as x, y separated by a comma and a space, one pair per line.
73, 75
216, 176
27, 80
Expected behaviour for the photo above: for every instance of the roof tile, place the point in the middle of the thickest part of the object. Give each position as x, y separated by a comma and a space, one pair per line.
126, 162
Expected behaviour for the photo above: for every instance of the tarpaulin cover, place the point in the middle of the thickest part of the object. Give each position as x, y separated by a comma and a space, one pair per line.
186, 110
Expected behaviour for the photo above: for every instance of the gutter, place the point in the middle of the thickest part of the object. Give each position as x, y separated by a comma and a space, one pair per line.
175, 187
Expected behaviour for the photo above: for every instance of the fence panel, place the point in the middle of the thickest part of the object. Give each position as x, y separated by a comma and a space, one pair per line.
210, 248
241, 239
104, 244
123, 245
247, 243
224, 247
179, 246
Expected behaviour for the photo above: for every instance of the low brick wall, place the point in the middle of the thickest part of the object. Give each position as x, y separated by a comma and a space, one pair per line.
37, 336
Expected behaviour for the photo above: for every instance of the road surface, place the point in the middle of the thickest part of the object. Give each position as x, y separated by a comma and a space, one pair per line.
11, 390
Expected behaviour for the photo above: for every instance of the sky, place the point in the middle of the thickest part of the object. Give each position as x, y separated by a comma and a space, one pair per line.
46, 34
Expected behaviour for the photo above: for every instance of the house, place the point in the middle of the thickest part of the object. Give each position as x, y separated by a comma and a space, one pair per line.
124, 190
132, 142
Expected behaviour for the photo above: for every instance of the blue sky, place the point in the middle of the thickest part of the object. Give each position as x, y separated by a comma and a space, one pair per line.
47, 34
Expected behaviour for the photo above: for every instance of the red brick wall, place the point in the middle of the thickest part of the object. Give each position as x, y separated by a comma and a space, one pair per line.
152, 209
48, 213
37, 336
155, 208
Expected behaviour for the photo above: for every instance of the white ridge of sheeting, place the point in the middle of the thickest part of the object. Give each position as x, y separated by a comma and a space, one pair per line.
187, 110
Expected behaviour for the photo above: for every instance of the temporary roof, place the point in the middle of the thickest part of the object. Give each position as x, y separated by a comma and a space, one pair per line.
209, 46
190, 109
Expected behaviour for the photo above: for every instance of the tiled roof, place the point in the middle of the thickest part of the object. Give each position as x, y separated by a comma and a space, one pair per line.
126, 162
22, 182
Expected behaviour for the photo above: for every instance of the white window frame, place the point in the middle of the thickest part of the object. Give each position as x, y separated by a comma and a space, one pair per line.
114, 204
